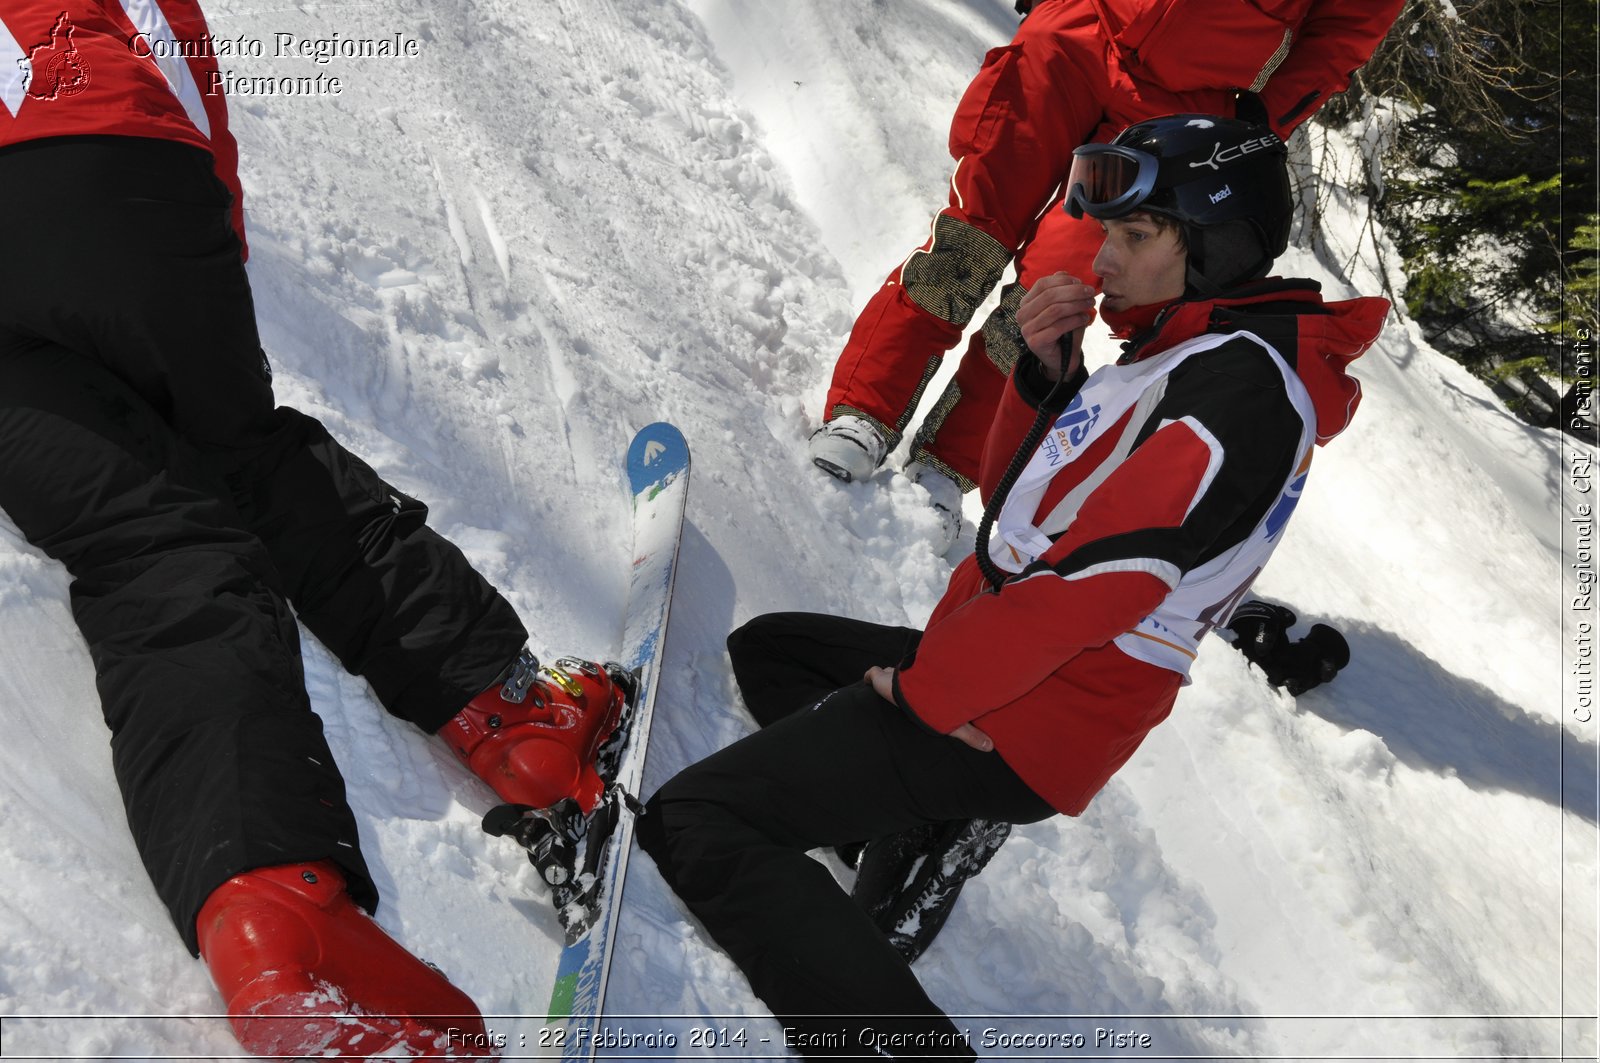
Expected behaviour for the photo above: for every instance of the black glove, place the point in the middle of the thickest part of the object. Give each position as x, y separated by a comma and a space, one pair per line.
1312, 661
1024, 6
1261, 633
1259, 629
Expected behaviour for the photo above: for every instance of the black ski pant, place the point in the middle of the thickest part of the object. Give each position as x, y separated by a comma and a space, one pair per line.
731, 833
141, 447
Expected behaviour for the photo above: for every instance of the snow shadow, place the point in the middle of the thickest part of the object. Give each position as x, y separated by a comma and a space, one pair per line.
697, 710
1432, 719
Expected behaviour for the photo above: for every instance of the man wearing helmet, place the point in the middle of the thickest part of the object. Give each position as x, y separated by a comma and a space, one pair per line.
1128, 512
1077, 71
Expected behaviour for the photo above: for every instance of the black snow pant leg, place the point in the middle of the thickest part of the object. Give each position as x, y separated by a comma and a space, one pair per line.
142, 446
731, 835
395, 601
165, 304
222, 764
784, 662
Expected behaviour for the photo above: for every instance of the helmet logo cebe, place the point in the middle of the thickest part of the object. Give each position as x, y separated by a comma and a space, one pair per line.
1220, 154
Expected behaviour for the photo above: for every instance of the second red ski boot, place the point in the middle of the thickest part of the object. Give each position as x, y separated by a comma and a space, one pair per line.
534, 737
303, 971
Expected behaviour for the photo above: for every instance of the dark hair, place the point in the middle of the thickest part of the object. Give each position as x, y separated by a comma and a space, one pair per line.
1165, 223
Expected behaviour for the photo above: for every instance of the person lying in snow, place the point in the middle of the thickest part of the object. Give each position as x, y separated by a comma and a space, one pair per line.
140, 446
1128, 512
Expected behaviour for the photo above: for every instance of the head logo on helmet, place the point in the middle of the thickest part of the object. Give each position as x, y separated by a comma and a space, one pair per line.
1224, 180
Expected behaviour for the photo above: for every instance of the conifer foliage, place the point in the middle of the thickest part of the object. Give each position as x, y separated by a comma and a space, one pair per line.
1490, 190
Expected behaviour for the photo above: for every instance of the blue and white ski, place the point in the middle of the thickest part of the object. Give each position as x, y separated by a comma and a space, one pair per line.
658, 474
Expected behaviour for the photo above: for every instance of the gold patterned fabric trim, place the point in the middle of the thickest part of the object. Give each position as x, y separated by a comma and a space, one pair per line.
891, 436
928, 373
1273, 63
930, 428
957, 272
1002, 339
934, 463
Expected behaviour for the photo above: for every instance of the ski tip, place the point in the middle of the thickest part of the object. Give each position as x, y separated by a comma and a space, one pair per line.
657, 452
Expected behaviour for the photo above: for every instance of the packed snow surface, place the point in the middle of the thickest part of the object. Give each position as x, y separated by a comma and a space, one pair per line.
485, 264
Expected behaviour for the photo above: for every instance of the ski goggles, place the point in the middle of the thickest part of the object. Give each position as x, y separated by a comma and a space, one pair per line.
1108, 181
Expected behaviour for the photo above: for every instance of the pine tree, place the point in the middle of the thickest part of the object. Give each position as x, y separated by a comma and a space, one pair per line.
1494, 208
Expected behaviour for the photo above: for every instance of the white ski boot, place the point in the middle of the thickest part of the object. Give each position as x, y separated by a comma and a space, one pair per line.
945, 495
848, 447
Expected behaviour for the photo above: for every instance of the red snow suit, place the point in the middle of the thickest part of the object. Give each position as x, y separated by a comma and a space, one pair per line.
1152, 530
94, 67
1077, 71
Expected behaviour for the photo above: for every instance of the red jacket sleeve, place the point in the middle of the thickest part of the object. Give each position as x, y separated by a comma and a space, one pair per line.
1335, 39
962, 671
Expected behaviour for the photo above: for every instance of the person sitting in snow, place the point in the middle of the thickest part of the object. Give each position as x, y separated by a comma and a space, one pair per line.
140, 446
1077, 71
1128, 512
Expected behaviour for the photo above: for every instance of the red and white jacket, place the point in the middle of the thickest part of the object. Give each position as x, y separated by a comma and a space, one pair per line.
137, 68
1139, 522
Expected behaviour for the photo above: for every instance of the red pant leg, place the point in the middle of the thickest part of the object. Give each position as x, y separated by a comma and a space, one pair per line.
952, 435
1033, 101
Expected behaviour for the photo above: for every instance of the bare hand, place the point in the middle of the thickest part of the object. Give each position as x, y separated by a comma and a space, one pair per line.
974, 738
1056, 306
882, 681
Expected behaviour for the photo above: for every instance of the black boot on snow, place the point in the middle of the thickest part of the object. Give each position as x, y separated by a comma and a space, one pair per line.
1261, 633
909, 882
1314, 660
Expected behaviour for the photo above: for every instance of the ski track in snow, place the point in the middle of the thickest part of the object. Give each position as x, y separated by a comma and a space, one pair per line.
486, 266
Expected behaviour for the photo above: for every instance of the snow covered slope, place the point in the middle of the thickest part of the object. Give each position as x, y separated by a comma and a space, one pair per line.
486, 264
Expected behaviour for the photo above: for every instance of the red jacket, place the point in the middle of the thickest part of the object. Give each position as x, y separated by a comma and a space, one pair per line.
119, 67
1051, 666
1295, 53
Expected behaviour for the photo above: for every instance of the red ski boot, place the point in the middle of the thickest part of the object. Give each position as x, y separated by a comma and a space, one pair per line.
534, 738
304, 972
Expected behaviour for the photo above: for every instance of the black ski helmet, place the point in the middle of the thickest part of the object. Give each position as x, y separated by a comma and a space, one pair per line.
1224, 180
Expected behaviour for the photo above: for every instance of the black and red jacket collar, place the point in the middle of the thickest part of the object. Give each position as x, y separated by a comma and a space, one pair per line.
1317, 338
